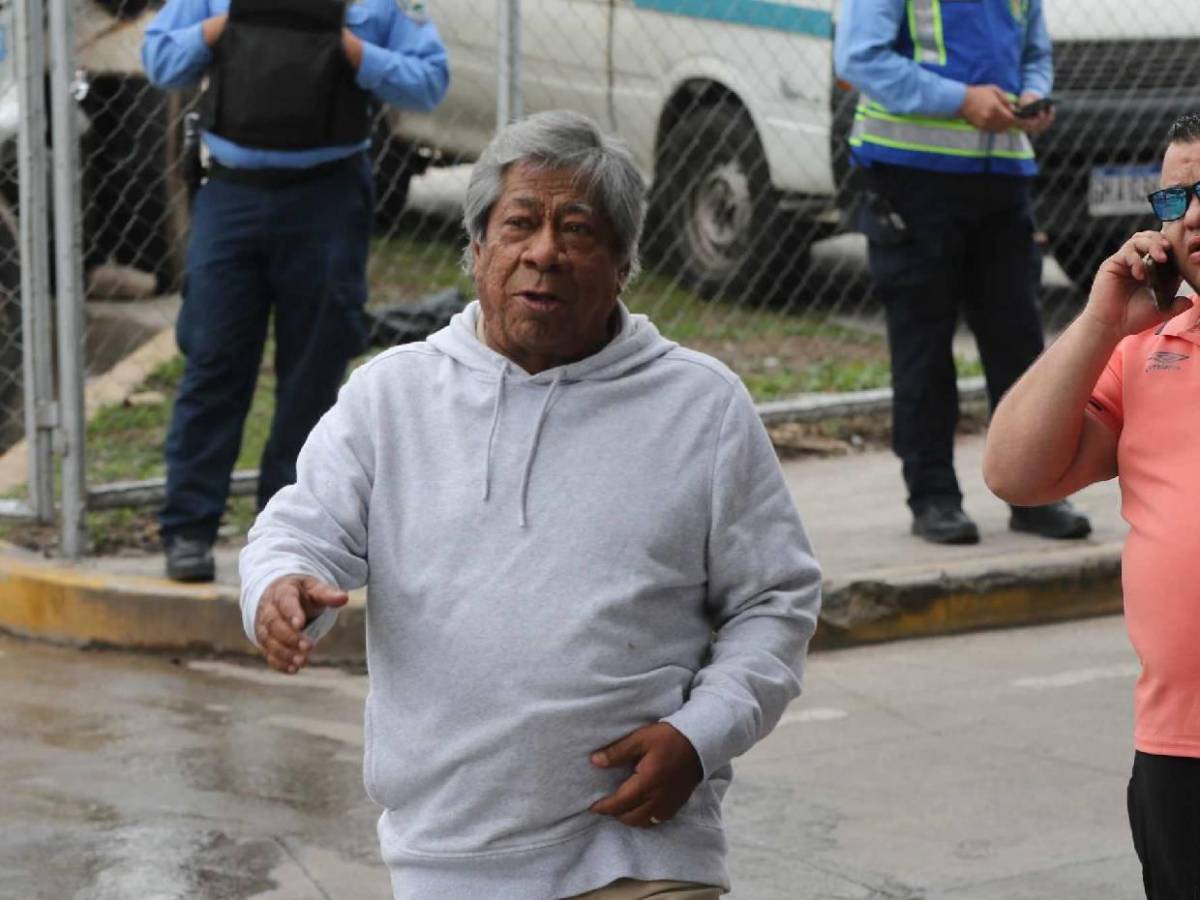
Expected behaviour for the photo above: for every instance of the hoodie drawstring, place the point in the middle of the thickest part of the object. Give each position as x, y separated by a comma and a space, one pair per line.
487, 462
533, 444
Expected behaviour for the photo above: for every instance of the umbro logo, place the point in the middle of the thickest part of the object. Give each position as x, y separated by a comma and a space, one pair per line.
1165, 361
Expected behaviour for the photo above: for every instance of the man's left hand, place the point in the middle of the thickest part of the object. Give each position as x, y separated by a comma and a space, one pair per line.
1038, 123
666, 769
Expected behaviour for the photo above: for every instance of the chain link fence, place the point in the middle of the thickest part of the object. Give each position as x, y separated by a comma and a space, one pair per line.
12, 423
732, 110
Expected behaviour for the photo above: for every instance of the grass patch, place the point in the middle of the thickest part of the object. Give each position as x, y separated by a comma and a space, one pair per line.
823, 377
404, 268
125, 443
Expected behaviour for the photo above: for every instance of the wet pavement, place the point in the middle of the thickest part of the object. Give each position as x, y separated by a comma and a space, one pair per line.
982, 767
130, 778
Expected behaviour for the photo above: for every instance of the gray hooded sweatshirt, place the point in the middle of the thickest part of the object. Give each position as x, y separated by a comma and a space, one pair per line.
552, 562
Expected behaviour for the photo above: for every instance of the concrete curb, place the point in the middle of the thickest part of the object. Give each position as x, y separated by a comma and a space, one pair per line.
875, 401
894, 605
72, 605
80, 607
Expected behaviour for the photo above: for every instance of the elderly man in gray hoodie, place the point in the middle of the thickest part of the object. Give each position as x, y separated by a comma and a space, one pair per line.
589, 589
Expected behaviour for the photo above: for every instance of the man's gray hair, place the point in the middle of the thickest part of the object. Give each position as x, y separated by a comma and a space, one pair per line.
560, 139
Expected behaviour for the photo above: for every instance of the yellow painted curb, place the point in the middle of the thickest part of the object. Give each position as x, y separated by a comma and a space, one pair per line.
86, 608
68, 605
1030, 601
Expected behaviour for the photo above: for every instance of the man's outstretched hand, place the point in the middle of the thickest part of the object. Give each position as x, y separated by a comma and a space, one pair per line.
286, 606
666, 769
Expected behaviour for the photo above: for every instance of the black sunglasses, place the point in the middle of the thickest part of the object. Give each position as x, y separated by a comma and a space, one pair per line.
1172, 203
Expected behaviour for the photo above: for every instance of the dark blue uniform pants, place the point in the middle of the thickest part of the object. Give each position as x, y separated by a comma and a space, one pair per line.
968, 244
300, 251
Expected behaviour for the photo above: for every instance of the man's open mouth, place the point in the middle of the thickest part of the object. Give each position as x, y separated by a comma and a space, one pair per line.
540, 299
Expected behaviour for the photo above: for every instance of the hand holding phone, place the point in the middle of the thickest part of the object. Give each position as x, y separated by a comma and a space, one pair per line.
1163, 279
1034, 108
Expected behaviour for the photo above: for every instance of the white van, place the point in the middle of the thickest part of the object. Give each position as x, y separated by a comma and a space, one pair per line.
731, 109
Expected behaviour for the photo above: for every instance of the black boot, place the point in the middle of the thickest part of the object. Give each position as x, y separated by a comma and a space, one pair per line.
189, 559
1060, 521
943, 521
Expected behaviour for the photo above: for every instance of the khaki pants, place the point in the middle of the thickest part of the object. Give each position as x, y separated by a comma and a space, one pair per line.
628, 889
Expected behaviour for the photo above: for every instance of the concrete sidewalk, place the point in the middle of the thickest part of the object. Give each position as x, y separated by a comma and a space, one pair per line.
881, 583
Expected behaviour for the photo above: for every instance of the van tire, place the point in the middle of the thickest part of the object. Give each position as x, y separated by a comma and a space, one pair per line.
714, 219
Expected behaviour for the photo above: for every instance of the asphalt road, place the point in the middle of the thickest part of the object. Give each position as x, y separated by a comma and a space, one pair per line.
984, 767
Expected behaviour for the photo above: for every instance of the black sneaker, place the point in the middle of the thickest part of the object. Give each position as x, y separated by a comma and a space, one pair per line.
1060, 521
944, 522
190, 559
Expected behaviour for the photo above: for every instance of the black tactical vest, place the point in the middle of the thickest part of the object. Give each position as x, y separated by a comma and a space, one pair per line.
280, 79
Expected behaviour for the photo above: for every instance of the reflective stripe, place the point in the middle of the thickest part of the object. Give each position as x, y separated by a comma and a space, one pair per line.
1019, 10
947, 137
876, 111
925, 26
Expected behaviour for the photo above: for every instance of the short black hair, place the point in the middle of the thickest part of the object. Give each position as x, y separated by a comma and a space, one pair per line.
1185, 129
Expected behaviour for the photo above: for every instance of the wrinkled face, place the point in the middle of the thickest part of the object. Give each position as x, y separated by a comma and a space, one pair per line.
547, 273
1181, 168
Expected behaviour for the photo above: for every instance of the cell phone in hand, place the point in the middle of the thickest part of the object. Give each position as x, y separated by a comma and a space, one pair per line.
1034, 108
1163, 278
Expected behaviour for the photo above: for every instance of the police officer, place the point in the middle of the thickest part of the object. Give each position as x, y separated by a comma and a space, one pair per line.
948, 167
283, 223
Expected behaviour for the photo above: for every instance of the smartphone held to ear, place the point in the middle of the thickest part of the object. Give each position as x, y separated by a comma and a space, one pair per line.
1163, 278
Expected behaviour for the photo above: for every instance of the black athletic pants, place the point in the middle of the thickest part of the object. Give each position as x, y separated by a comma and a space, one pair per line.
1164, 815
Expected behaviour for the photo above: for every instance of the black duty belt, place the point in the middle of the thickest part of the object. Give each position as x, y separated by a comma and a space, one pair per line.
282, 177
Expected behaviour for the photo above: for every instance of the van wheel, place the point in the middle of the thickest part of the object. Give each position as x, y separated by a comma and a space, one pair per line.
714, 218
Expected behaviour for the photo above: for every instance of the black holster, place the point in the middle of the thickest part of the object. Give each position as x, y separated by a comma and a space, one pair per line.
193, 167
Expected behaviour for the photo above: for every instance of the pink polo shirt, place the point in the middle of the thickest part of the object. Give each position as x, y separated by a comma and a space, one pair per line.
1149, 397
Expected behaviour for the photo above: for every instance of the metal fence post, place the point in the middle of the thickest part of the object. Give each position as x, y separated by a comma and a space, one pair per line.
36, 314
69, 274
508, 72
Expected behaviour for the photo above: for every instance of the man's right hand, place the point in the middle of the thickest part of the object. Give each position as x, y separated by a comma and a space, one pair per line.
211, 29
1121, 300
286, 605
988, 108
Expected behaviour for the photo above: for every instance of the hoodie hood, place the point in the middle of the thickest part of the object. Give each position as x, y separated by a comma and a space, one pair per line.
636, 343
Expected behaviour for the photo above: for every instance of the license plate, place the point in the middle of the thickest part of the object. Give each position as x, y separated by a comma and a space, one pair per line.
1121, 190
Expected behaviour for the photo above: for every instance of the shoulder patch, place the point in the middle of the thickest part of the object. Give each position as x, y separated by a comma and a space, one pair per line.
417, 10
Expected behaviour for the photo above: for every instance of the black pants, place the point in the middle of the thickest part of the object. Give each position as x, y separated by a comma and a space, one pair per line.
968, 244
1164, 815
297, 253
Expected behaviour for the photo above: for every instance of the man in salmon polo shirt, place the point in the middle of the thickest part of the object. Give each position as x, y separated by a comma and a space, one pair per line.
1118, 394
